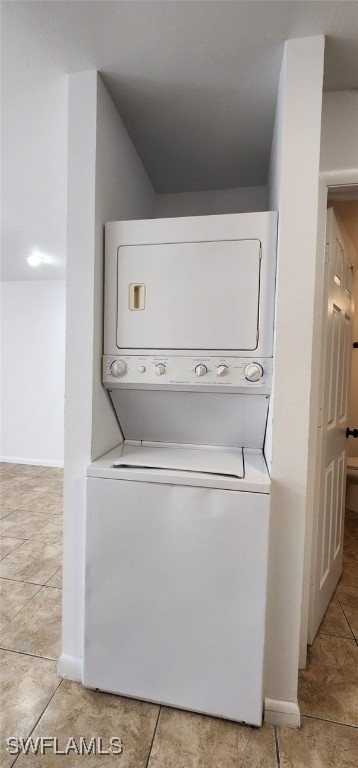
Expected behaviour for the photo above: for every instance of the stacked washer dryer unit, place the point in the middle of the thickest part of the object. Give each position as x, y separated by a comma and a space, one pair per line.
178, 513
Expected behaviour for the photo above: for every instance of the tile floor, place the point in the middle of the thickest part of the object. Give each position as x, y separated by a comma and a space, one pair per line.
36, 702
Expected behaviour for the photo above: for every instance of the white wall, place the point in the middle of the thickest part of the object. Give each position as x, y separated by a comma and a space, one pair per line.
32, 371
293, 191
339, 141
238, 200
33, 150
123, 191
106, 180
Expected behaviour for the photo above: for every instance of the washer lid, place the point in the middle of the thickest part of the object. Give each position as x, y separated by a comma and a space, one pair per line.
352, 462
227, 462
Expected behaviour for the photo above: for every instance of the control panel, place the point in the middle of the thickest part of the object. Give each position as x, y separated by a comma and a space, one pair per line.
176, 372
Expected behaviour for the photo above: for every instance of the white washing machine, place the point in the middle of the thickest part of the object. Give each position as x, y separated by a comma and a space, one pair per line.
178, 514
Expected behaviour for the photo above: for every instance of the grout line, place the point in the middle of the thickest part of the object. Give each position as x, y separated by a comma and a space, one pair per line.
347, 619
326, 634
153, 737
328, 720
16, 538
21, 581
333, 634
8, 514
27, 653
30, 512
277, 745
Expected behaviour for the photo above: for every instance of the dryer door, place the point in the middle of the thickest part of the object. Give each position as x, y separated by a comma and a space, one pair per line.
189, 296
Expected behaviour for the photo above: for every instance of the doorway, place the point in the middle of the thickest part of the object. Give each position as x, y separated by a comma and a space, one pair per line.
328, 676
335, 530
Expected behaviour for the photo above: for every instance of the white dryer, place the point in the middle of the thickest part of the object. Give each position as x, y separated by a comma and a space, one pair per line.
178, 514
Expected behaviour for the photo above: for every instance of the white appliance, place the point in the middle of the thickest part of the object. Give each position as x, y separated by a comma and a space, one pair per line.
178, 514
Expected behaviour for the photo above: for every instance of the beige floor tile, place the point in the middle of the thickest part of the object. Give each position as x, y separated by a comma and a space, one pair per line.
19, 498
42, 485
328, 687
56, 580
13, 596
15, 470
350, 537
334, 621
7, 500
37, 628
18, 483
8, 483
8, 544
349, 576
348, 598
33, 561
24, 470
187, 740
27, 685
351, 523
57, 494
23, 524
350, 540
350, 553
318, 744
76, 711
56, 473
50, 503
52, 532
8, 465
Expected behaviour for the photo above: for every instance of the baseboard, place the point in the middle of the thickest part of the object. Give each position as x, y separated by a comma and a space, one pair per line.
70, 667
33, 462
280, 712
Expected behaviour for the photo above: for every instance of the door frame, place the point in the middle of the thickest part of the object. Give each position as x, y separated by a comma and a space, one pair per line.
326, 180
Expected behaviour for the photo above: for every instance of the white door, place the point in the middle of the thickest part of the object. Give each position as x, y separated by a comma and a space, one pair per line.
189, 295
335, 366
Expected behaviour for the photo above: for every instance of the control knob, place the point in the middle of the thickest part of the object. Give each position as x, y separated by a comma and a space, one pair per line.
201, 369
222, 370
253, 372
118, 368
160, 369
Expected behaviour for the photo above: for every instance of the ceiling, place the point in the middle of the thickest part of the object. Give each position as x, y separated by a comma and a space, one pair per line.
195, 83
